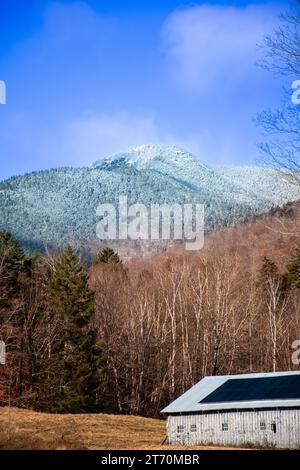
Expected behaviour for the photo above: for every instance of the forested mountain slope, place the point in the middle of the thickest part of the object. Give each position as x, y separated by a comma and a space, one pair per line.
58, 206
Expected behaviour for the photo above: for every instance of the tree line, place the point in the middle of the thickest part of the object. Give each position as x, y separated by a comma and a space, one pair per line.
129, 337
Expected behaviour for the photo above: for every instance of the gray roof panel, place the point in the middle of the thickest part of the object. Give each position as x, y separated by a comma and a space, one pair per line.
194, 399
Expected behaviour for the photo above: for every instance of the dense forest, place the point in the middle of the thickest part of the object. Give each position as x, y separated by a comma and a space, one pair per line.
130, 337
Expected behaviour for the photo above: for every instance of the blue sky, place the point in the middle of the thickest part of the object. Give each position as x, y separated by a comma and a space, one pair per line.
86, 79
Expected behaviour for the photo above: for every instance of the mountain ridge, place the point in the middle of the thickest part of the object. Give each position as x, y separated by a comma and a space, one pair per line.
59, 206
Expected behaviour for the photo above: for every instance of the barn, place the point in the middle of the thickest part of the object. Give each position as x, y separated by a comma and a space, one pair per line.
242, 410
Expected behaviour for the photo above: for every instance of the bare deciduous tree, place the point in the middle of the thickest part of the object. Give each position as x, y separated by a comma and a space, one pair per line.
282, 126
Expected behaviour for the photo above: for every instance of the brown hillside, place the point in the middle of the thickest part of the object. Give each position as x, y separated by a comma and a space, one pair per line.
274, 235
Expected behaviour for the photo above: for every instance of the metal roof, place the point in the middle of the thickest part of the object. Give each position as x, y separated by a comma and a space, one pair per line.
190, 401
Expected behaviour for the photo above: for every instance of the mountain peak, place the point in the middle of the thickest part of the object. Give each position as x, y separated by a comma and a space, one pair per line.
144, 155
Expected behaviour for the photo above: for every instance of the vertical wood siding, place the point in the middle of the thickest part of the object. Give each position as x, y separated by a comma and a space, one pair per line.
243, 428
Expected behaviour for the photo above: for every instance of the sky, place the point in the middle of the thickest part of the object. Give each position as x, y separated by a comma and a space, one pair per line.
86, 79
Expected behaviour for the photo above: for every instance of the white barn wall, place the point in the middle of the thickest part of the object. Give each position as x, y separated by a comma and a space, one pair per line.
243, 428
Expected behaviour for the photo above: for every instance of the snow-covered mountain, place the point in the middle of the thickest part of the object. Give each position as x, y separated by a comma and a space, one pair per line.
267, 183
59, 206
183, 167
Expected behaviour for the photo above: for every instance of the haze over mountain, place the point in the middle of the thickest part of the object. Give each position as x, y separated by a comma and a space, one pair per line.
58, 206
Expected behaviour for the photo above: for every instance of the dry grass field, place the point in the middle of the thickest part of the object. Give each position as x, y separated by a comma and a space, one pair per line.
25, 429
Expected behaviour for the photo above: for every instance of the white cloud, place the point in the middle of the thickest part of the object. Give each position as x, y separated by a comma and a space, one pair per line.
89, 138
84, 139
209, 48
100, 135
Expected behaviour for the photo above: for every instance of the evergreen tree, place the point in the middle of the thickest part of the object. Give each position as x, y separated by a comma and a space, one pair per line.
108, 256
15, 268
268, 270
293, 269
79, 365
15, 277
